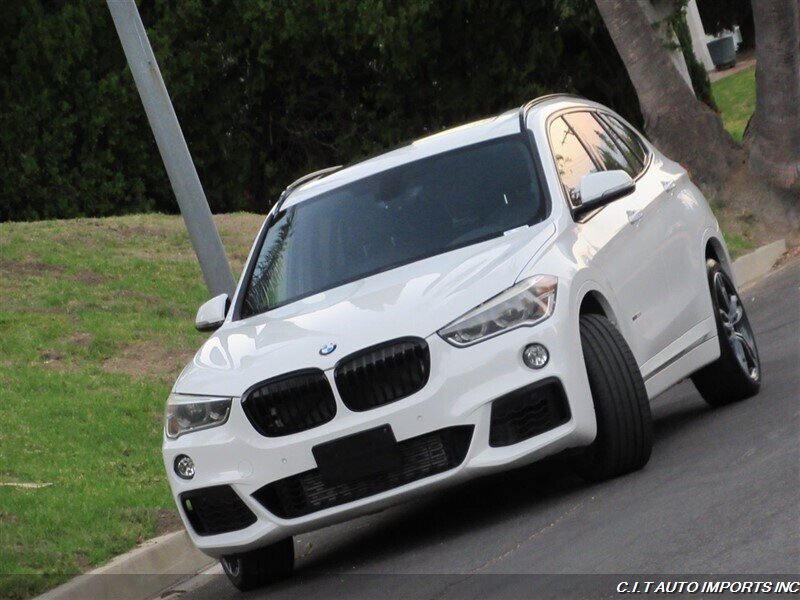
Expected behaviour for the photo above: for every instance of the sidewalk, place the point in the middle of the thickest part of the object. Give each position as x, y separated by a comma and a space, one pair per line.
716, 75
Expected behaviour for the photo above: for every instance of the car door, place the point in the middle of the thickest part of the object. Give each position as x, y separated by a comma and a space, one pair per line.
683, 223
623, 237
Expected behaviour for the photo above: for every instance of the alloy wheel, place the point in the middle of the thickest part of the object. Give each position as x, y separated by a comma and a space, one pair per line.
231, 565
736, 325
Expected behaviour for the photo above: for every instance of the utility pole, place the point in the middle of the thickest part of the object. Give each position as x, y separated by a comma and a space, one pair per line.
172, 146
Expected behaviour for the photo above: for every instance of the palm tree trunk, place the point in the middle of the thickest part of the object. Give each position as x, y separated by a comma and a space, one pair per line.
679, 124
773, 134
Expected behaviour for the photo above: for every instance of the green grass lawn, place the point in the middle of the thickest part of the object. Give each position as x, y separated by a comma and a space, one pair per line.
736, 99
737, 245
97, 321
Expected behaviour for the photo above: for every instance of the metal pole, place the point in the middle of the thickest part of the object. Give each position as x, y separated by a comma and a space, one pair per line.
172, 146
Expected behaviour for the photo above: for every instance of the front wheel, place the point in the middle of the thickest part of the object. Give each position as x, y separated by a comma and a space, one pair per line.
257, 568
736, 374
624, 424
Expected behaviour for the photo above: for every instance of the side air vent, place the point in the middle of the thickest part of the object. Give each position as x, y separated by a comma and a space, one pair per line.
215, 510
527, 412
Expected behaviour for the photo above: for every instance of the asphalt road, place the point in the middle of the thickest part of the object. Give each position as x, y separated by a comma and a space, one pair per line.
720, 495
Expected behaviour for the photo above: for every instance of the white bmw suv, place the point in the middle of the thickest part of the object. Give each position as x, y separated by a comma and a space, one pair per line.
474, 301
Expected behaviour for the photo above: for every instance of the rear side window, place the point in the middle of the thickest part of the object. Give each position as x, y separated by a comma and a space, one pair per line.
630, 142
601, 142
572, 159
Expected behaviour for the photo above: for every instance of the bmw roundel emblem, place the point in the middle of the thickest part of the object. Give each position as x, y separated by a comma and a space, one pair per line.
327, 349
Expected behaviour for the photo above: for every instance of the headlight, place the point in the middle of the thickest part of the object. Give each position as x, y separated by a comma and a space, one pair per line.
193, 413
527, 303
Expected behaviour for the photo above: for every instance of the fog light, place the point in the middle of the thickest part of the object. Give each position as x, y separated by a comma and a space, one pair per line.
535, 356
184, 466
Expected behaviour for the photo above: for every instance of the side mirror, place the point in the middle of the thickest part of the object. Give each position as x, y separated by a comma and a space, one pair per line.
598, 189
211, 315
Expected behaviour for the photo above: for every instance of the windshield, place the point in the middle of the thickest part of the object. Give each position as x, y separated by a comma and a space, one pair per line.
392, 218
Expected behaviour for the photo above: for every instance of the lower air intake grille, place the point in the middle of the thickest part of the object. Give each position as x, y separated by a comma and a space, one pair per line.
290, 403
217, 509
527, 412
422, 456
384, 373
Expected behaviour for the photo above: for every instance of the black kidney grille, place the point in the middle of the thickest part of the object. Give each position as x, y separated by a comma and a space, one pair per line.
290, 403
383, 373
215, 510
527, 412
422, 456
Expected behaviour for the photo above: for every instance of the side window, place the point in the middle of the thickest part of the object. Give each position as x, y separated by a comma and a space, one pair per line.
632, 144
601, 142
572, 160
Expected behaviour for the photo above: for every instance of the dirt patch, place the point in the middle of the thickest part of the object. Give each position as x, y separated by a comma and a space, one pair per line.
32, 267
29, 267
791, 255
49, 356
136, 227
83, 562
761, 214
54, 360
167, 521
8, 517
82, 338
89, 277
136, 231
148, 360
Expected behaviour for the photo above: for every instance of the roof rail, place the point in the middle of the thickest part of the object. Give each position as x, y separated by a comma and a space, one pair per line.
305, 179
523, 110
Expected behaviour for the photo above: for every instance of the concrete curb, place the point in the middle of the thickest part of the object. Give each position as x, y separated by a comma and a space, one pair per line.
751, 266
139, 574
170, 559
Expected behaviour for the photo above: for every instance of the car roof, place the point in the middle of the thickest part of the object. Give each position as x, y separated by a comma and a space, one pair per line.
504, 124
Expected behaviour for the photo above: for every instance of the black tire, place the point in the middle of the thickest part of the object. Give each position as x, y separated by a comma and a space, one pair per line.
624, 424
736, 374
257, 568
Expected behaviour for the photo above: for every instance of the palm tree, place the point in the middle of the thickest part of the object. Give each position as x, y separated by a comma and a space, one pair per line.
773, 134
682, 126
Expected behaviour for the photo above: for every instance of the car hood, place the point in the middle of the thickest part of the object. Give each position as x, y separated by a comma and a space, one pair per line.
412, 300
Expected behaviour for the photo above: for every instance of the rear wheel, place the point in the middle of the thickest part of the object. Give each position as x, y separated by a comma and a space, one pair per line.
736, 374
257, 568
624, 424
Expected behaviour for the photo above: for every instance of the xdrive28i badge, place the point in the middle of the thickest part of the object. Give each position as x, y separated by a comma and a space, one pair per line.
327, 349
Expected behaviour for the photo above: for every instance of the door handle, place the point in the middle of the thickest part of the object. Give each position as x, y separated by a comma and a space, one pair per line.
634, 216
668, 184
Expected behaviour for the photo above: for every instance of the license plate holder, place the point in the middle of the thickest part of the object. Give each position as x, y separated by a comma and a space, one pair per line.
358, 456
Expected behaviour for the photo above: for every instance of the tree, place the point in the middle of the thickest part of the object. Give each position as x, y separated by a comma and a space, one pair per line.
72, 139
267, 91
685, 128
697, 72
772, 137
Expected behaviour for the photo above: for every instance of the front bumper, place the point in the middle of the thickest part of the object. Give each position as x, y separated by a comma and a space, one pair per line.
462, 385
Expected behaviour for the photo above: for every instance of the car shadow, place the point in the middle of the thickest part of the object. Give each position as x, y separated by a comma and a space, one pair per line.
477, 504
445, 515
